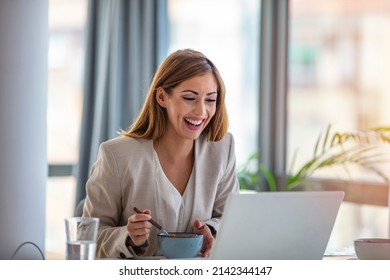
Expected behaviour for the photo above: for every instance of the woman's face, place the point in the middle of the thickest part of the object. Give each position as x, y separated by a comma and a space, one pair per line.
190, 106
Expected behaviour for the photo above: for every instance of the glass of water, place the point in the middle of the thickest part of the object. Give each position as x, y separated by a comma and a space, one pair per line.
81, 236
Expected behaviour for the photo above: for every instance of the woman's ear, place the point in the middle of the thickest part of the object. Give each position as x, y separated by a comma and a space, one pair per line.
161, 97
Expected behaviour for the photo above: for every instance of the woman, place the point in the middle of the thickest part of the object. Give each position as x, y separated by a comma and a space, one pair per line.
176, 163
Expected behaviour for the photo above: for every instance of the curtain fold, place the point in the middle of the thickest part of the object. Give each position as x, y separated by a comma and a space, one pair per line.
126, 41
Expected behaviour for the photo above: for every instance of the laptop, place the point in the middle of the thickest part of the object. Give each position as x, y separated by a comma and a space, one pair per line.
293, 225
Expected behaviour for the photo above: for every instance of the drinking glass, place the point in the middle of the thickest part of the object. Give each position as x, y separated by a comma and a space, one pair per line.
81, 236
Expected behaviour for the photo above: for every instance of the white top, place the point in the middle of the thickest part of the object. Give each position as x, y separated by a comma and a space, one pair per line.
171, 202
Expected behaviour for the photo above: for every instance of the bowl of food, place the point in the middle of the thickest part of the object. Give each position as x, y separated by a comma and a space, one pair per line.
177, 245
372, 248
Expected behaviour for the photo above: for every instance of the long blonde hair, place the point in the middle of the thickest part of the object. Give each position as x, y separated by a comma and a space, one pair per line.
176, 68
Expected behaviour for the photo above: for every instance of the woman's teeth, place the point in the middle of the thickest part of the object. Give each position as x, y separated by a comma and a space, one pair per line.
194, 122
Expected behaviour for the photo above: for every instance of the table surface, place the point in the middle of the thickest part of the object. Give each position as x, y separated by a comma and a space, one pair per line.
344, 253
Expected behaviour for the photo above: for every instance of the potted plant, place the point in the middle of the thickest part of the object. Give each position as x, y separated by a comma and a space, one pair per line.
362, 148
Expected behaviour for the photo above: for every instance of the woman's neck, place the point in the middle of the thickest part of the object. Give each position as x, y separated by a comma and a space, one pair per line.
173, 149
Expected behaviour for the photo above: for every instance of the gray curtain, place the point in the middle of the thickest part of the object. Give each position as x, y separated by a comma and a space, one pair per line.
126, 40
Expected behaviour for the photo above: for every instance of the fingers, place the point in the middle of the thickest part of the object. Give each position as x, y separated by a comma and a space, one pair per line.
208, 244
198, 226
208, 239
138, 227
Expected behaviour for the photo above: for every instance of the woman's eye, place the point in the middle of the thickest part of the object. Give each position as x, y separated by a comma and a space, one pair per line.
208, 100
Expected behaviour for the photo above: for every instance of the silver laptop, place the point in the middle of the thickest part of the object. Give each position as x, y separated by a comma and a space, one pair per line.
292, 225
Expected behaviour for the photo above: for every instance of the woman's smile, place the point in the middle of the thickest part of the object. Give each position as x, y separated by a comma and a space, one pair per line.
193, 124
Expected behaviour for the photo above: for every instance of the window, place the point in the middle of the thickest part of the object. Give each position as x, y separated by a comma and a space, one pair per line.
66, 56
228, 33
337, 71
338, 75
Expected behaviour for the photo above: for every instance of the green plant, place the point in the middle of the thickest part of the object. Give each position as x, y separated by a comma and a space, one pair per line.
248, 175
362, 148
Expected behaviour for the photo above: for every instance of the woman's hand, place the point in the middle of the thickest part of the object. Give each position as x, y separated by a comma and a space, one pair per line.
208, 239
138, 227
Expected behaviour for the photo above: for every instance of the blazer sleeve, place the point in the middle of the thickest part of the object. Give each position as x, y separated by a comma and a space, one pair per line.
103, 201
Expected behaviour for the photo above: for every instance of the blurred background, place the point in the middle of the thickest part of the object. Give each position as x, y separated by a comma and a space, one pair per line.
337, 67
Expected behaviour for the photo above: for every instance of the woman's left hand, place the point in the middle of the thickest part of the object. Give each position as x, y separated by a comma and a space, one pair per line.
208, 239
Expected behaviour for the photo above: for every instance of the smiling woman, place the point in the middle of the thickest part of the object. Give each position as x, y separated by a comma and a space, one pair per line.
180, 140
203, 25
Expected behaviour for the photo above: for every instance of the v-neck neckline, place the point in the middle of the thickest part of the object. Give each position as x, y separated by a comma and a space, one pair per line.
160, 170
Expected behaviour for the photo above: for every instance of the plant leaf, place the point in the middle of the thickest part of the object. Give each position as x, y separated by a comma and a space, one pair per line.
269, 177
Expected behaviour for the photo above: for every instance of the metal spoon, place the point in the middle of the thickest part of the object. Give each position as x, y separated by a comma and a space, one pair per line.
152, 221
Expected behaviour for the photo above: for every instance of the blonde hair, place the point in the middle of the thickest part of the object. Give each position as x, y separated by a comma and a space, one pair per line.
176, 68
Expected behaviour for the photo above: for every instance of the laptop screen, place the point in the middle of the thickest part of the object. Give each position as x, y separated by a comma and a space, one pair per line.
277, 225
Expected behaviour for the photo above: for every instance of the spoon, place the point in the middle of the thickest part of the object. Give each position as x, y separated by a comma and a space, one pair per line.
152, 221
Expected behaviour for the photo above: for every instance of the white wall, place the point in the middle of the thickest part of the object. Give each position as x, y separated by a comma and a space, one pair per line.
23, 102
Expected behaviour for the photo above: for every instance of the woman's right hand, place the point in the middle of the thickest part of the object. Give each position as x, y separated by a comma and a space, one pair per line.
138, 227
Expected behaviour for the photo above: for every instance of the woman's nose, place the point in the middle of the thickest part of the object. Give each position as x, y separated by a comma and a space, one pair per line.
200, 109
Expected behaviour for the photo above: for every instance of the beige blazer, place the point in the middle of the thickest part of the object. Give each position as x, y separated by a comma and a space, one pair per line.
123, 176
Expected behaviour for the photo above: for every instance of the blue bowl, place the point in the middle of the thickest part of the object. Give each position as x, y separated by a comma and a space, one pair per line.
177, 245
